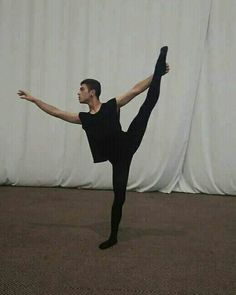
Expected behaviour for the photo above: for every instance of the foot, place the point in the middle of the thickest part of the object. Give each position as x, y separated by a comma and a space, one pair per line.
164, 50
161, 67
107, 244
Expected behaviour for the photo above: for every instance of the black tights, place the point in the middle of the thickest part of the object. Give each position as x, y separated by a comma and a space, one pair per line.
133, 137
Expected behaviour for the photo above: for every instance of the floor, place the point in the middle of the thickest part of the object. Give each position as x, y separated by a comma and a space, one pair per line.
168, 243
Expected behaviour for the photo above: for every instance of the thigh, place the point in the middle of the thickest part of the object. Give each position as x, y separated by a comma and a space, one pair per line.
120, 175
137, 128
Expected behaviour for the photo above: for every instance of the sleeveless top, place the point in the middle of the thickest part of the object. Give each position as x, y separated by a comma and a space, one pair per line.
103, 130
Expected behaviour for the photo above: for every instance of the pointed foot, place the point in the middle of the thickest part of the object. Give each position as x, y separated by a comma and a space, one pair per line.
107, 244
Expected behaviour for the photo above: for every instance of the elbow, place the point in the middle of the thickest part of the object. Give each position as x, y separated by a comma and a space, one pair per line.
56, 113
136, 91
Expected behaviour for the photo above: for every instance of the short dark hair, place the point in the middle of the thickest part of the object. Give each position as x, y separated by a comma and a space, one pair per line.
93, 85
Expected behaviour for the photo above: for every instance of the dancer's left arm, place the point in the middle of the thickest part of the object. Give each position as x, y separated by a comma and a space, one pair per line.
136, 90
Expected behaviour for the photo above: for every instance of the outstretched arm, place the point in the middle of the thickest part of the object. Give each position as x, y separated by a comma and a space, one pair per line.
51, 110
136, 90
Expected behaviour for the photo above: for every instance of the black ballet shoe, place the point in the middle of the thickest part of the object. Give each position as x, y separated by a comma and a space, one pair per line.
107, 244
161, 62
164, 50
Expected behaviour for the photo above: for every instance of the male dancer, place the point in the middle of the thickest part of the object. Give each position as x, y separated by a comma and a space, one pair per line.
106, 139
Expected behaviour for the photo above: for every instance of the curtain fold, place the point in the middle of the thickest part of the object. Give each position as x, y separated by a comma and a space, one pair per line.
210, 165
49, 46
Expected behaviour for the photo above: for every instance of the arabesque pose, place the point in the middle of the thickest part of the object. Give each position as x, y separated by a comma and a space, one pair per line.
102, 125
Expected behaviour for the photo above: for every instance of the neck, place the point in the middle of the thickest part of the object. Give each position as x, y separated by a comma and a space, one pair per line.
94, 105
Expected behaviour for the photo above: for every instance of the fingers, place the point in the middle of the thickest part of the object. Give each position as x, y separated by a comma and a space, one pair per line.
167, 68
22, 92
25, 95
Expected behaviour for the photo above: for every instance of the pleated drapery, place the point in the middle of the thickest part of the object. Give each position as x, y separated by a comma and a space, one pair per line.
49, 46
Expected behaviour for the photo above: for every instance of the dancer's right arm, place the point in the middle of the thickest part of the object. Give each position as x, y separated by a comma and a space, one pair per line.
51, 110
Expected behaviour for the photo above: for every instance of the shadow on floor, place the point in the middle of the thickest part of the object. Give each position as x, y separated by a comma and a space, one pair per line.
130, 233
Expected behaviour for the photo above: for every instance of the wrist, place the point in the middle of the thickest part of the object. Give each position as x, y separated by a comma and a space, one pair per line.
32, 99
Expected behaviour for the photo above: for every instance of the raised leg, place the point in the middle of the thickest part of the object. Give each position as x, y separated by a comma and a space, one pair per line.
138, 126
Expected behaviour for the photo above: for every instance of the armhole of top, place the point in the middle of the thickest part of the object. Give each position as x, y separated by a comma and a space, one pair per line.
117, 108
113, 101
81, 117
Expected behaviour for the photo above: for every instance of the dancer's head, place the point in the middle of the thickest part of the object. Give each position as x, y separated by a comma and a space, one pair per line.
89, 88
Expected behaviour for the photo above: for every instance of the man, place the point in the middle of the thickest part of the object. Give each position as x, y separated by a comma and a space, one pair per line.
106, 139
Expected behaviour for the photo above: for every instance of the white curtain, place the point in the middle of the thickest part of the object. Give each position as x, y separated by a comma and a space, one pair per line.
49, 46
210, 163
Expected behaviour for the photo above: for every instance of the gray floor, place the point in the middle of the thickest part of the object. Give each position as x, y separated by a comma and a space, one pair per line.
168, 244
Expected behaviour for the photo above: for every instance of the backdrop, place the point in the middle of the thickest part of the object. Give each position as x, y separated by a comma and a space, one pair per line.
49, 46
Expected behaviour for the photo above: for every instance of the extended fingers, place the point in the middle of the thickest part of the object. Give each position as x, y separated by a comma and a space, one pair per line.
167, 68
21, 92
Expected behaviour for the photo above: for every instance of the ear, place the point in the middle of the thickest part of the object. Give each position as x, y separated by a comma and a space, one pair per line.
92, 92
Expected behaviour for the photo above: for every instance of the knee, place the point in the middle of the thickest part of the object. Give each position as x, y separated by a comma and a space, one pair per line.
119, 201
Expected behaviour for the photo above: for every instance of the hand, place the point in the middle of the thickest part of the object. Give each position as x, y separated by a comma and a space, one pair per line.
167, 68
25, 95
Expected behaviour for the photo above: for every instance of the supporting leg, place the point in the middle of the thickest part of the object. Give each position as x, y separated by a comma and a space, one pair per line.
120, 179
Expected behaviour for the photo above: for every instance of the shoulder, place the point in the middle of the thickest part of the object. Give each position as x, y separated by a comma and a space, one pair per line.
112, 105
83, 117
111, 102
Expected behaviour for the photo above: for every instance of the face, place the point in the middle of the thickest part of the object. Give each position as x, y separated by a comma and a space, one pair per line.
84, 94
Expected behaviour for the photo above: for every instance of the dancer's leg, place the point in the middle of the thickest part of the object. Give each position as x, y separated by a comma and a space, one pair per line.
120, 179
138, 126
